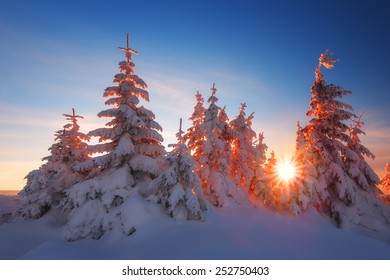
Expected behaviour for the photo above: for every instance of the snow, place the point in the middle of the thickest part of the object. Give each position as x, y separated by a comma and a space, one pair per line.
227, 233
144, 163
10, 202
116, 209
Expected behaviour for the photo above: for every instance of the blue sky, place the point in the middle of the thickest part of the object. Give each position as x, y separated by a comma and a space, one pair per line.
56, 55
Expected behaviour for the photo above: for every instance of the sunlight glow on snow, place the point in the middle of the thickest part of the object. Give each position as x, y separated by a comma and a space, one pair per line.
286, 170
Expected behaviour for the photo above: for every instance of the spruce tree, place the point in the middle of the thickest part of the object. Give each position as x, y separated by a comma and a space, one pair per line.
258, 180
45, 186
302, 186
270, 192
131, 147
214, 170
178, 187
226, 136
244, 153
194, 137
132, 133
385, 186
346, 187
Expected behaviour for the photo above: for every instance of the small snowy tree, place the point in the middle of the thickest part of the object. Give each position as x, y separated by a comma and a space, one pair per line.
244, 153
38, 195
302, 185
385, 186
70, 146
227, 136
178, 187
213, 162
258, 180
131, 147
345, 191
271, 191
45, 186
195, 135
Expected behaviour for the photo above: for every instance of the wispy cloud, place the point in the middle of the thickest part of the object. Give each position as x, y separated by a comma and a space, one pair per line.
27, 133
12, 116
46, 69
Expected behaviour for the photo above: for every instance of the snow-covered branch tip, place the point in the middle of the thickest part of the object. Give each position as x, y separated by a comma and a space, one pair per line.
128, 51
213, 90
325, 60
179, 134
359, 123
242, 108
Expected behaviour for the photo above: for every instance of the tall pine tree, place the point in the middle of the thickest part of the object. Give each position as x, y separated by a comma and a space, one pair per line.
131, 147
195, 135
345, 191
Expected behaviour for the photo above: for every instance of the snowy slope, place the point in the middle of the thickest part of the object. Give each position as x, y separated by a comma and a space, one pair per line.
9, 202
230, 233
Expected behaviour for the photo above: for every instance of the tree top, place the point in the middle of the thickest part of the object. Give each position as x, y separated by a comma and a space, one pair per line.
128, 51
327, 61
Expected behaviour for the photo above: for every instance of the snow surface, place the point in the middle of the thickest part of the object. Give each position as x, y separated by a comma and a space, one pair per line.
9, 202
228, 233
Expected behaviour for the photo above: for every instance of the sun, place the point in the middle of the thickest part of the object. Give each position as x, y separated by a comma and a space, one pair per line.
286, 170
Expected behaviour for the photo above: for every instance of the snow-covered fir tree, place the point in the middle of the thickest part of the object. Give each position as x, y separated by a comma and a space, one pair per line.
226, 136
45, 186
384, 186
178, 187
244, 154
131, 148
194, 137
271, 191
70, 146
213, 170
346, 188
258, 180
302, 185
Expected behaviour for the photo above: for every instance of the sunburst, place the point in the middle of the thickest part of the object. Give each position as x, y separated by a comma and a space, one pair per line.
286, 170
